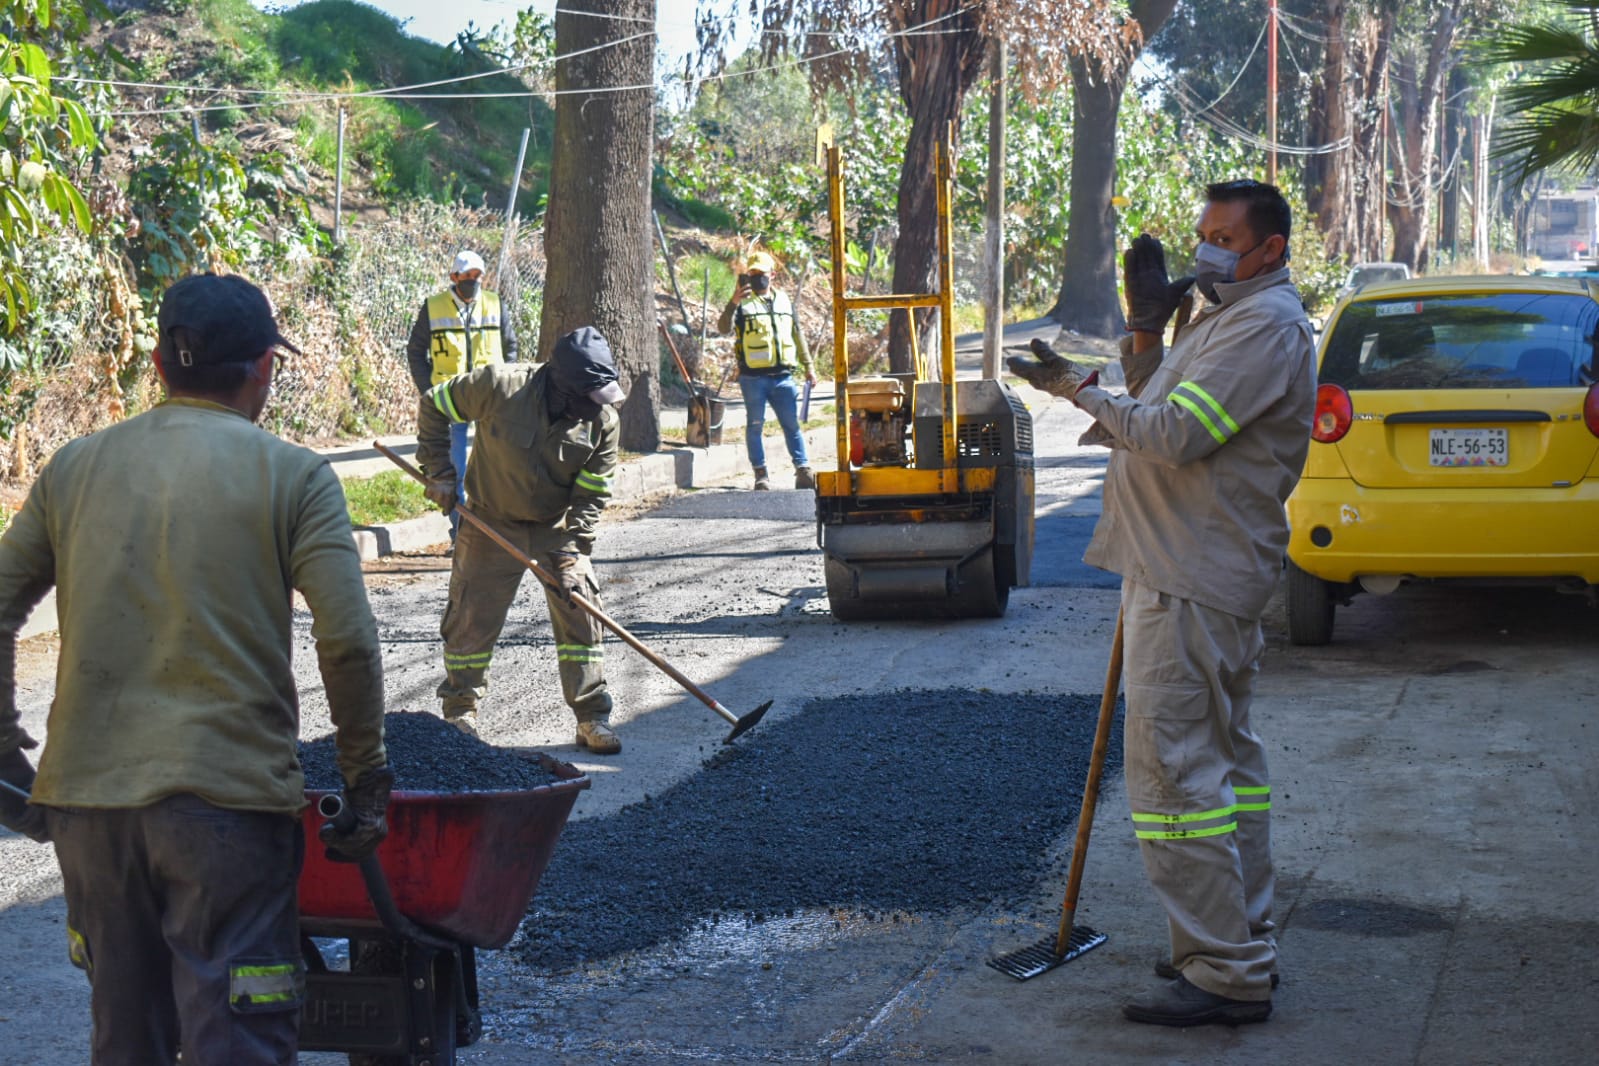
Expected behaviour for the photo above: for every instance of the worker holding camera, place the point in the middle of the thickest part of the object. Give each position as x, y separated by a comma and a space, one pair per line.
770, 347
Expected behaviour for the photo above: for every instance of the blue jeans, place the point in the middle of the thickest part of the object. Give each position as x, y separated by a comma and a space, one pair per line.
458, 461
780, 391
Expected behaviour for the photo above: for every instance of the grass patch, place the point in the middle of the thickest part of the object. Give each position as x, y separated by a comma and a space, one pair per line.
389, 497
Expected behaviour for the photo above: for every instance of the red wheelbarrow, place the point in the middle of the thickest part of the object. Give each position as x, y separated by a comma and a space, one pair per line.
456, 873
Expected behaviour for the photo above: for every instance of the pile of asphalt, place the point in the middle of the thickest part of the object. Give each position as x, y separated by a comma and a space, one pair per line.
909, 801
429, 754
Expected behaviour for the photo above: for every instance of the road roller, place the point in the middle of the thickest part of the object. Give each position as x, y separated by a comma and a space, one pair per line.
930, 511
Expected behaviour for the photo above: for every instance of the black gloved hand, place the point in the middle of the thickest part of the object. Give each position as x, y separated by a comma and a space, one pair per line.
363, 824
568, 577
441, 494
1151, 298
16, 813
1052, 372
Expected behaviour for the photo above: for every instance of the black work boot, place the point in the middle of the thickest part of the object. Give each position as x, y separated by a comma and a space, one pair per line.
1180, 1002
1166, 971
762, 482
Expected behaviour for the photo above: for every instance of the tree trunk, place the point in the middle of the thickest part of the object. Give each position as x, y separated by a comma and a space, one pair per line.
1328, 177
1088, 301
597, 229
1452, 153
1415, 132
935, 70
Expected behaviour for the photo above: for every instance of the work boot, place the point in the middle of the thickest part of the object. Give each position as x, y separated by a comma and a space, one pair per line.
1180, 1002
1167, 972
762, 482
803, 478
598, 738
461, 712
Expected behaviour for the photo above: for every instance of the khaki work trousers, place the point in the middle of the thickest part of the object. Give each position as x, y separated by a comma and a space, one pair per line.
484, 578
1197, 785
185, 916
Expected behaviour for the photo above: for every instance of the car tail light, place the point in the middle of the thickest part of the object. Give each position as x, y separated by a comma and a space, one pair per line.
1590, 409
1335, 411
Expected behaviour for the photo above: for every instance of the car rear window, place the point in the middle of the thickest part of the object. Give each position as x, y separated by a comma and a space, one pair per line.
1367, 275
1512, 340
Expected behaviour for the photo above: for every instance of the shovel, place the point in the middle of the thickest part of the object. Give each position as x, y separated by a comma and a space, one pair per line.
1074, 940
740, 725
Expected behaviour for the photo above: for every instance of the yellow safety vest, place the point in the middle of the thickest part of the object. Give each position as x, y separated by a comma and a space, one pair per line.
455, 348
766, 332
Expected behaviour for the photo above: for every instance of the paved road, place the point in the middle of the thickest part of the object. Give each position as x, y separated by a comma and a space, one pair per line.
1435, 770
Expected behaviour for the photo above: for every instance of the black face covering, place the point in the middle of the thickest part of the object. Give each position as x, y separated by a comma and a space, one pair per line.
580, 364
760, 282
467, 288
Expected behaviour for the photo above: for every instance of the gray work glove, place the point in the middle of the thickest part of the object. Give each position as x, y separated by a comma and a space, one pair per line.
441, 494
16, 813
363, 824
1151, 298
1051, 372
567, 576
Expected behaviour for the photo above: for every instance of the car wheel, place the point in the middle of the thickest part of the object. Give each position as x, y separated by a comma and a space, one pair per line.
1311, 604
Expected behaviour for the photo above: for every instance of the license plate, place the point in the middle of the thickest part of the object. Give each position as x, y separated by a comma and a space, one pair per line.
1469, 447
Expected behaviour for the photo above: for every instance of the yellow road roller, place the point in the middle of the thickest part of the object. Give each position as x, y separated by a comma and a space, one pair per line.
930, 512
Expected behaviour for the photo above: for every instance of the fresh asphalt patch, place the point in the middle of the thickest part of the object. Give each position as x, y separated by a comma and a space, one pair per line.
428, 754
876, 804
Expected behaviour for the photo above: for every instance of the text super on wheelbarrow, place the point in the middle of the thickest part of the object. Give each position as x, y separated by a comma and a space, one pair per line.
456, 873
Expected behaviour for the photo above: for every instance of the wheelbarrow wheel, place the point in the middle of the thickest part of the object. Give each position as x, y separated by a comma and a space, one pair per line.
388, 957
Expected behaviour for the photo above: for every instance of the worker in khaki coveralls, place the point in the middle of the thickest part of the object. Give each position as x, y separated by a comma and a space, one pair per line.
170, 780
540, 476
1206, 447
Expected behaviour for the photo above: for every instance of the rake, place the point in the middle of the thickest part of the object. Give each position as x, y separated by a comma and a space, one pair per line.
1074, 941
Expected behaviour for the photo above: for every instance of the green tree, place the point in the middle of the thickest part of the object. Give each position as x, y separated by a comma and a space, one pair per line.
42, 136
1554, 106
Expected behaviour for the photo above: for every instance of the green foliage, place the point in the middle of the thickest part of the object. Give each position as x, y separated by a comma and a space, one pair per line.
1556, 102
42, 136
202, 208
387, 497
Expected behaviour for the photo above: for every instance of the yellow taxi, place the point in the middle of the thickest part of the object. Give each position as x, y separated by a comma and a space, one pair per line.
1456, 436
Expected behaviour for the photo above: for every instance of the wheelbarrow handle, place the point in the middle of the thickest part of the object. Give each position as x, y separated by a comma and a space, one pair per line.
739, 724
341, 817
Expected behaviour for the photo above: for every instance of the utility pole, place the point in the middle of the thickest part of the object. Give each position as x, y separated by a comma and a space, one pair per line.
510, 210
994, 244
338, 186
1271, 90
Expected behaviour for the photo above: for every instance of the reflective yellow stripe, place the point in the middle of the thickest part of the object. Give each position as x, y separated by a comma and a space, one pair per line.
270, 983
262, 971
1202, 816
446, 403
579, 653
479, 658
1263, 803
1183, 401
1210, 401
597, 483
1181, 834
78, 950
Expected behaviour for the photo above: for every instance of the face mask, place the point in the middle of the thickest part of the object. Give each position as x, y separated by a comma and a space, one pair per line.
760, 283
1215, 265
467, 287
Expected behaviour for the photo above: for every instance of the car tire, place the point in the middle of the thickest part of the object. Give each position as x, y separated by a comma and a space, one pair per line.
1311, 605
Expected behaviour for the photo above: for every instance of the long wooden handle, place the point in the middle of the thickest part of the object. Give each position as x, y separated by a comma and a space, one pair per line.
1096, 765
549, 579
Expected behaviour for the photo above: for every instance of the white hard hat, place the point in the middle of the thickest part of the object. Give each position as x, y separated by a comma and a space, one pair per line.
465, 261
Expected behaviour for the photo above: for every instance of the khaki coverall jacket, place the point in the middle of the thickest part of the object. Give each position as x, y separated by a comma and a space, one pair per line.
1208, 444
526, 467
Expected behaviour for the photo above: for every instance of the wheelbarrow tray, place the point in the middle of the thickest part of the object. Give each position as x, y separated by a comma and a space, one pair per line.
461, 864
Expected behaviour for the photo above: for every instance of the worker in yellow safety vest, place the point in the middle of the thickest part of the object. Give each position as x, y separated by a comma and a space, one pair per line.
457, 330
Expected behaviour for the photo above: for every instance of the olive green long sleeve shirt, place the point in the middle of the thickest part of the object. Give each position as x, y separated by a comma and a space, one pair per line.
525, 465
175, 541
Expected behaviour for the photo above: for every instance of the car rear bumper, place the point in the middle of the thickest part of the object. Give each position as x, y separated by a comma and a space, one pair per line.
1444, 533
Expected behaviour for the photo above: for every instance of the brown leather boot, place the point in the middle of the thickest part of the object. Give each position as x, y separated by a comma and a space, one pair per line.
598, 738
803, 478
762, 482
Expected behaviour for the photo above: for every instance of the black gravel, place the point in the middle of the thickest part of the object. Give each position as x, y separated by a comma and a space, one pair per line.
909, 801
429, 754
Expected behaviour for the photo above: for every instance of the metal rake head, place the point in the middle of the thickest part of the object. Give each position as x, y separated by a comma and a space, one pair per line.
1039, 958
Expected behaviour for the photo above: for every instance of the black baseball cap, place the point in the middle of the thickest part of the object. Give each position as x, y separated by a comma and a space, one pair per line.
207, 319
